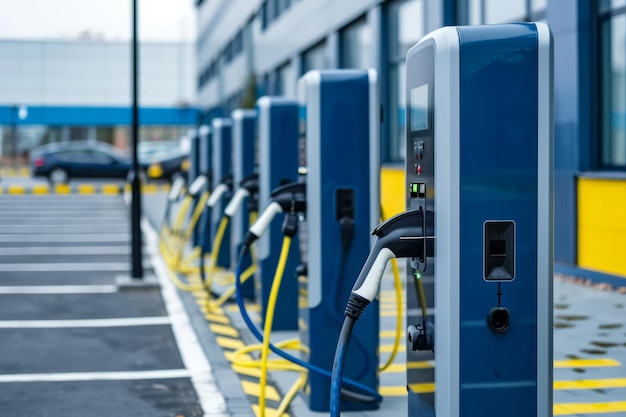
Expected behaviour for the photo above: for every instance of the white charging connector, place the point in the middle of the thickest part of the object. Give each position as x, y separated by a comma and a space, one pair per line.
260, 226
197, 185
177, 186
235, 202
217, 193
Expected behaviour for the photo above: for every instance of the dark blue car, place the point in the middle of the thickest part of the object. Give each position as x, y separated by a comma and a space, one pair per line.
64, 160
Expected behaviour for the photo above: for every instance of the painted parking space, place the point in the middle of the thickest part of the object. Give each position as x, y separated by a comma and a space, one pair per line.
74, 342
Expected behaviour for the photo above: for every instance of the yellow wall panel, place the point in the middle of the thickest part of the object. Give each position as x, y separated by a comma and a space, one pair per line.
392, 190
602, 225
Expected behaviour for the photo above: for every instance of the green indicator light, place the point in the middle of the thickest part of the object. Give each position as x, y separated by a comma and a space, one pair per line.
418, 275
414, 188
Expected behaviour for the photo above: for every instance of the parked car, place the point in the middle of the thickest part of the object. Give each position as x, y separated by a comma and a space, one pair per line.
64, 160
163, 160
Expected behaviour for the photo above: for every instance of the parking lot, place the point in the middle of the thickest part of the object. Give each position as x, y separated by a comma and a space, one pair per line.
78, 343
74, 342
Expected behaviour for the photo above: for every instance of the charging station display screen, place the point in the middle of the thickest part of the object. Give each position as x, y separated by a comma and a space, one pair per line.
419, 108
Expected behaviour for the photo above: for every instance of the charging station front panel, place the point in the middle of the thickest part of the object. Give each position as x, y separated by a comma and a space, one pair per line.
194, 158
342, 160
491, 110
499, 186
278, 165
205, 152
222, 166
244, 165
420, 176
192, 174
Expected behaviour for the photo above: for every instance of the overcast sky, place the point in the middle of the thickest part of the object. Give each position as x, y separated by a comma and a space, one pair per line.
159, 20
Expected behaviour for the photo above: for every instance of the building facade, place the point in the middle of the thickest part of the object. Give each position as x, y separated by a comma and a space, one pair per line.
81, 90
248, 48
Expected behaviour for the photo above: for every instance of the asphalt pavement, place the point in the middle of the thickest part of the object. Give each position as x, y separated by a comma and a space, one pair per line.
75, 343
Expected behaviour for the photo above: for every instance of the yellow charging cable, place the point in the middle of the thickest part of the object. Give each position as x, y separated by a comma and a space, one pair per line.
276, 365
398, 335
213, 260
170, 245
197, 212
269, 319
166, 245
421, 293
185, 235
217, 244
398, 292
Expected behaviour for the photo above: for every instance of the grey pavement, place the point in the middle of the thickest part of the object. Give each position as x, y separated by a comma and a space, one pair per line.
590, 325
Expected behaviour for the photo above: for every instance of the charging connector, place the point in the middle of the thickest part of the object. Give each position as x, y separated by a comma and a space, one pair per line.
289, 198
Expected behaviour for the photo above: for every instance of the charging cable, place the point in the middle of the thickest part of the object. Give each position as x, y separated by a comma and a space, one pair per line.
291, 198
402, 236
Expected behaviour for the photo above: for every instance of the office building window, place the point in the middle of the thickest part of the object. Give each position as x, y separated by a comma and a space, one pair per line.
315, 57
482, 12
406, 26
355, 43
613, 102
498, 11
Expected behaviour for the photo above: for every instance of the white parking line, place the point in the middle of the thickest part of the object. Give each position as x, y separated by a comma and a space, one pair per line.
67, 267
97, 376
65, 237
57, 228
211, 399
58, 289
61, 324
65, 250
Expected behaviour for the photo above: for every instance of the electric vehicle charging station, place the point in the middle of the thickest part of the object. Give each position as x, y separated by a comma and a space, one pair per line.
340, 114
278, 165
194, 157
221, 169
479, 159
198, 166
244, 132
204, 151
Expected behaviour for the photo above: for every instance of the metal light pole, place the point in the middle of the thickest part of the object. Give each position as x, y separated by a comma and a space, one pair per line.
137, 267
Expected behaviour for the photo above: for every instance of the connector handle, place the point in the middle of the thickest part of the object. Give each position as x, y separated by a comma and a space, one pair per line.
217, 194
177, 186
197, 185
235, 202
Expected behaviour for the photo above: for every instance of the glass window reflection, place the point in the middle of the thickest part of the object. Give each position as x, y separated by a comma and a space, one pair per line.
614, 92
498, 11
355, 42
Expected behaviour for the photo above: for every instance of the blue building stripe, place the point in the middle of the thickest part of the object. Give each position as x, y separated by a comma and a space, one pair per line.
97, 116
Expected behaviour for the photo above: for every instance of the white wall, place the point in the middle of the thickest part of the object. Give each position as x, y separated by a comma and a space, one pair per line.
95, 73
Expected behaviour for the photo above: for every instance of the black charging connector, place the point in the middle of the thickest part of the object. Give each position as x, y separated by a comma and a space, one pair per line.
290, 225
418, 338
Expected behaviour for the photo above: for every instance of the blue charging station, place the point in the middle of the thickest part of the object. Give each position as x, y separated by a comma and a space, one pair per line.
340, 117
244, 133
222, 167
278, 165
198, 165
194, 157
204, 152
479, 162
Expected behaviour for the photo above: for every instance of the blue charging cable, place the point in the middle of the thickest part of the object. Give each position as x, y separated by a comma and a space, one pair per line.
369, 395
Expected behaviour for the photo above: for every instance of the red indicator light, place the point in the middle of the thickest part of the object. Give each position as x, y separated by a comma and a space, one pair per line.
418, 170
39, 162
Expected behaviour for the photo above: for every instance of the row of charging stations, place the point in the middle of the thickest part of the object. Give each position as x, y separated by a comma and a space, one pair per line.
477, 230
304, 144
